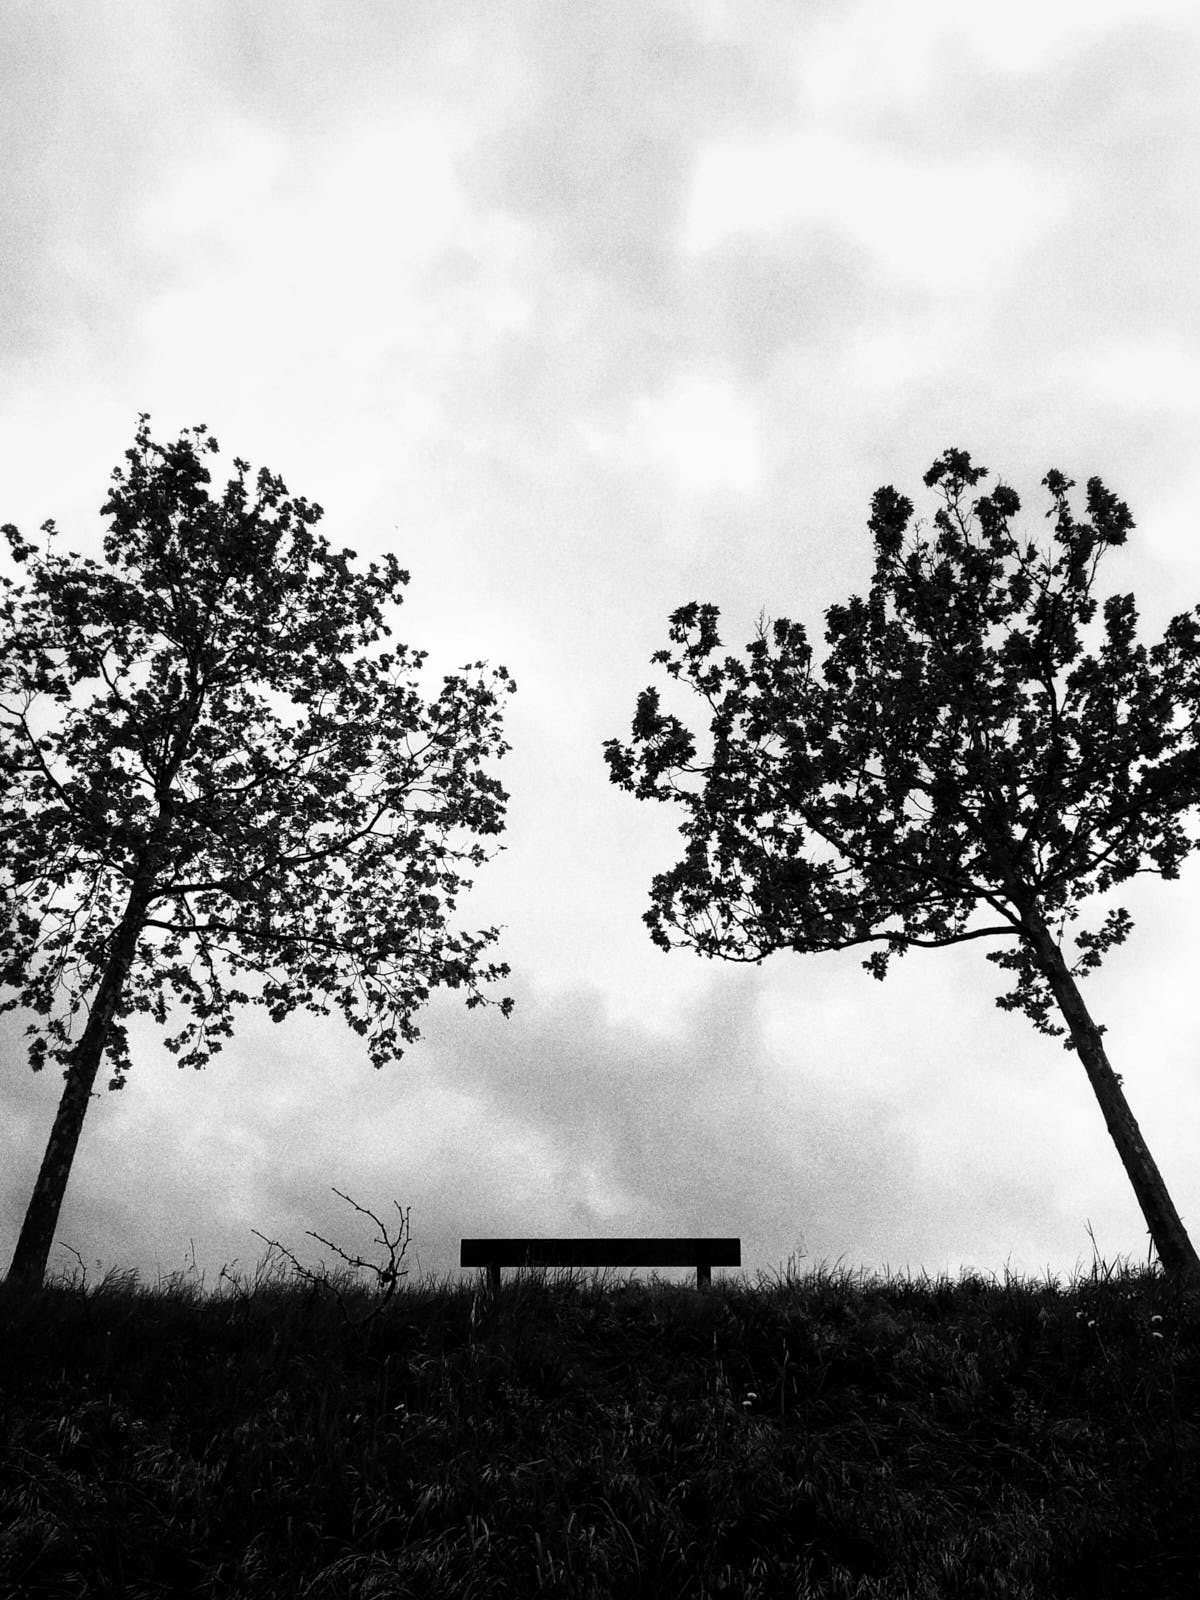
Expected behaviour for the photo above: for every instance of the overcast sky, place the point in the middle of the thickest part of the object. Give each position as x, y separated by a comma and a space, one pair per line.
587, 311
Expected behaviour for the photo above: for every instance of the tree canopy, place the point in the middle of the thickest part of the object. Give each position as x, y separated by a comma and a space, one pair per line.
961, 755
294, 820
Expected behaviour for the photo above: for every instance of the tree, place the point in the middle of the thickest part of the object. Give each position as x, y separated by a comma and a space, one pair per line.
961, 754
251, 793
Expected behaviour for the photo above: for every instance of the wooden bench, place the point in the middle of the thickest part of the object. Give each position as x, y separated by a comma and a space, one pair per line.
703, 1254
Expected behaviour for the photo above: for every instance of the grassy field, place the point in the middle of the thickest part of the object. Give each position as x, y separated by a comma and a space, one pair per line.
807, 1435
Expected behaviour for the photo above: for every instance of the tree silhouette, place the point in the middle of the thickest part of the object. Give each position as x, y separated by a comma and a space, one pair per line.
251, 793
961, 754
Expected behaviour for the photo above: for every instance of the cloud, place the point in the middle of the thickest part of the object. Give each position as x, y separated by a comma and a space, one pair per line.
941, 223
596, 154
1137, 375
702, 433
873, 58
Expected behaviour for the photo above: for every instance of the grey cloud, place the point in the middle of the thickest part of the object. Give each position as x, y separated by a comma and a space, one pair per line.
878, 1140
794, 289
601, 151
683, 1128
680, 1130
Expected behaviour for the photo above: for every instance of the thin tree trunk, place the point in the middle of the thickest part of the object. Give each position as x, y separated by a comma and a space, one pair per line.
1175, 1249
41, 1217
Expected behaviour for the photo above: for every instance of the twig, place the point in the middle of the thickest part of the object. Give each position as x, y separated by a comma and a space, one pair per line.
388, 1276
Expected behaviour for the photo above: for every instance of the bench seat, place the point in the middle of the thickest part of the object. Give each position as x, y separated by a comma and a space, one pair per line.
703, 1254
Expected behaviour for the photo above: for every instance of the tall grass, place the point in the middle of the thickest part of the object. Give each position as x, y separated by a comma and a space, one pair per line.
805, 1435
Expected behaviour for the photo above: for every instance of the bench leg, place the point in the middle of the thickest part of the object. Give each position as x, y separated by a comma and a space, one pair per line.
703, 1275
494, 1276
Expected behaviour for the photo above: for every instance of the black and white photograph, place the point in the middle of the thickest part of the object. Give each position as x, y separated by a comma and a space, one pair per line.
599, 797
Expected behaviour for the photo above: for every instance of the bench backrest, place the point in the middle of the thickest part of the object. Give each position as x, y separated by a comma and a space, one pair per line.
703, 1254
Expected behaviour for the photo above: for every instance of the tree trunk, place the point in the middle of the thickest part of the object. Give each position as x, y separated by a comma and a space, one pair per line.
1175, 1249
41, 1217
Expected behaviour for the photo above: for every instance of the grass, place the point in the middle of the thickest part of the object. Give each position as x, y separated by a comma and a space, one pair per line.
819, 1435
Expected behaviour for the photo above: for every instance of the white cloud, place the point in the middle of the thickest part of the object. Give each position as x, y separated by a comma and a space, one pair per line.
222, 192
1167, 525
703, 434
318, 273
1025, 35
1136, 375
888, 356
390, 182
943, 224
712, 19
880, 54
871, 56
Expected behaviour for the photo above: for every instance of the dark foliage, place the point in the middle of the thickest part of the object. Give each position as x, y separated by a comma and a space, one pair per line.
810, 1436
961, 754
299, 814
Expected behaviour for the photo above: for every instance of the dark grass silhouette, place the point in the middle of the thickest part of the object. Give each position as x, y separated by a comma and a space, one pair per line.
319, 1436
